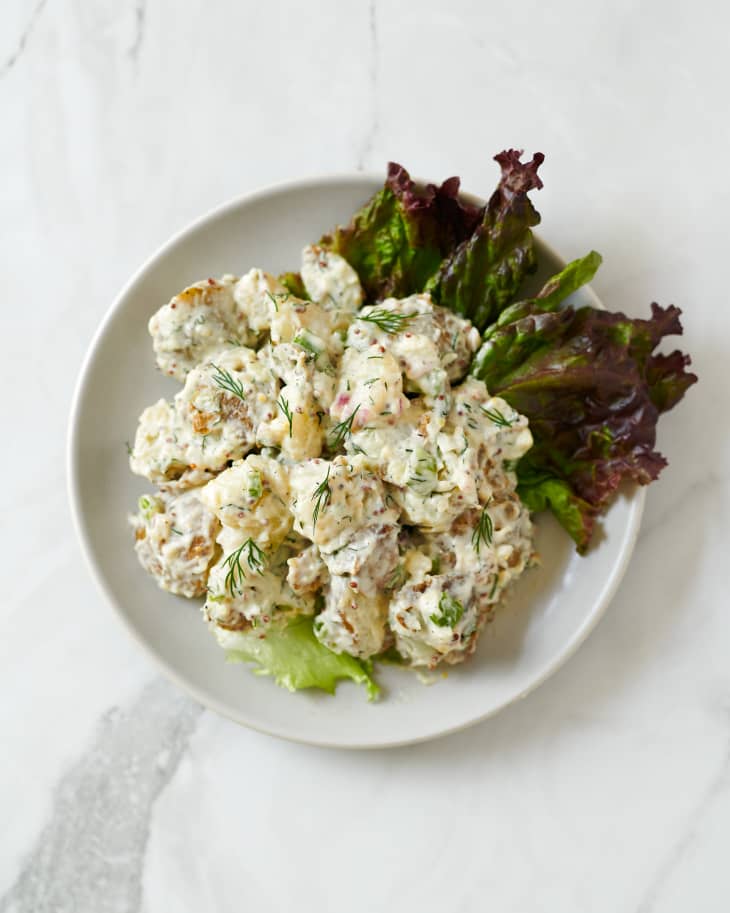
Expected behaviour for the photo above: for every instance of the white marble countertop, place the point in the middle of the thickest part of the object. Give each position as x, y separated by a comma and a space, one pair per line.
609, 788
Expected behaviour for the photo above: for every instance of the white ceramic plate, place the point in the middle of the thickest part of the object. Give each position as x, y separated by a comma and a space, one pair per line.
552, 610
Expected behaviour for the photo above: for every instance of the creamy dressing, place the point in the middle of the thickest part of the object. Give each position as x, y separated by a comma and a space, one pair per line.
337, 464
175, 540
201, 320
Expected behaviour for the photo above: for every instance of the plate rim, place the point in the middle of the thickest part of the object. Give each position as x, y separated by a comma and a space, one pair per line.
73, 489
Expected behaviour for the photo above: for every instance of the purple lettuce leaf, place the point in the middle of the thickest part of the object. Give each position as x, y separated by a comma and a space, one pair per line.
593, 389
397, 240
484, 273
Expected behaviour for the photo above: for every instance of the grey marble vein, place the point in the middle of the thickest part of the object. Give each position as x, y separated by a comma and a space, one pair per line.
8, 64
90, 854
373, 79
140, 18
680, 848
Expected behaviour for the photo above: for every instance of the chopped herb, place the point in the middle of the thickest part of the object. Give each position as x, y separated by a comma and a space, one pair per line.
302, 341
397, 578
388, 321
272, 300
176, 531
322, 495
494, 585
148, 506
130, 450
483, 531
255, 558
450, 610
356, 448
255, 486
284, 406
232, 341
226, 381
510, 465
436, 565
371, 381
428, 460
341, 430
497, 417
386, 412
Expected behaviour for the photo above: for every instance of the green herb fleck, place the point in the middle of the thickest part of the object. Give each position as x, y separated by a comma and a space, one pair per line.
450, 612
435, 565
176, 531
397, 578
148, 506
494, 585
130, 449
255, 486
302, 341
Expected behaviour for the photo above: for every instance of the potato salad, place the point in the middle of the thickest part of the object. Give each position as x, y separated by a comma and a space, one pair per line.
328, 466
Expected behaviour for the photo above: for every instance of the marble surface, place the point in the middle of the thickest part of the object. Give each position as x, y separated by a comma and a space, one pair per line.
609, 788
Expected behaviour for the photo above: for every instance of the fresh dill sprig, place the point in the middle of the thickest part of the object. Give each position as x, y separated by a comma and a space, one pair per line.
226, 381
284, 406
387, 321
341, 430
322, 495
130, 449
256, 560
497, 417
483, 531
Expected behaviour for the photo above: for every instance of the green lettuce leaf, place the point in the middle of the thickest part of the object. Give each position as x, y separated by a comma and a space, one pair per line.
397, 240
540, 491
592, 388
296, 659
483, 274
